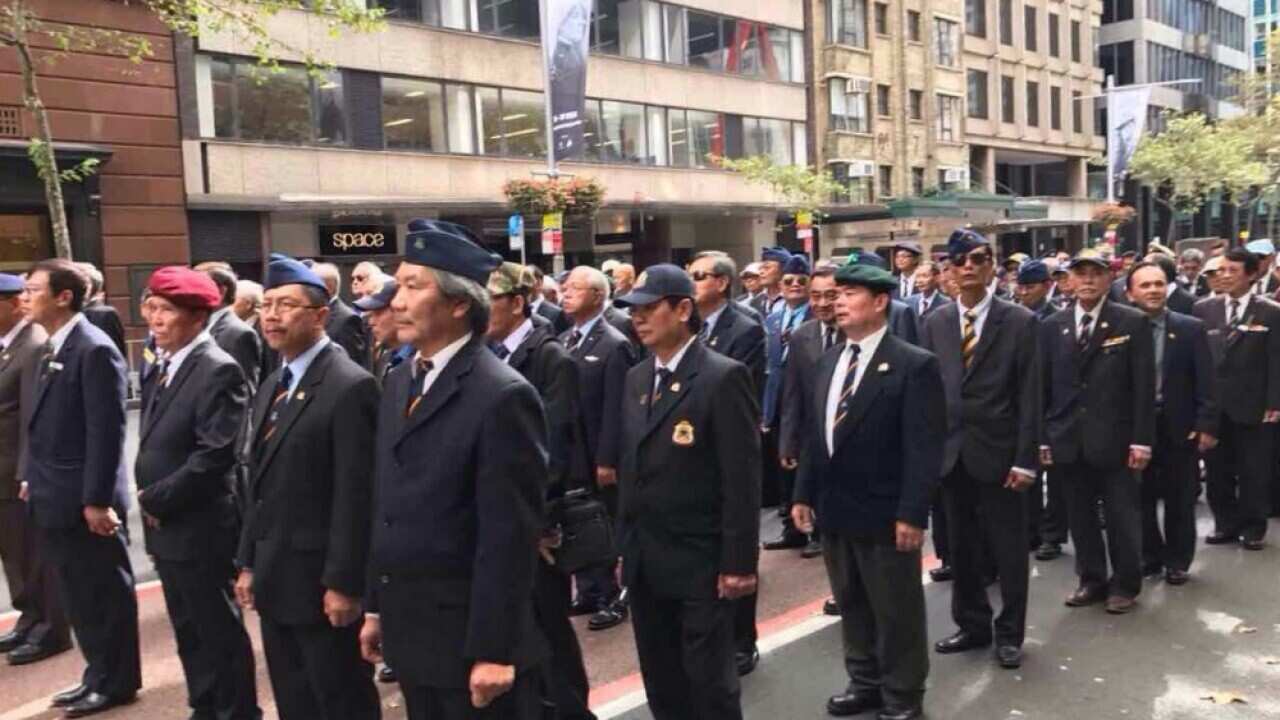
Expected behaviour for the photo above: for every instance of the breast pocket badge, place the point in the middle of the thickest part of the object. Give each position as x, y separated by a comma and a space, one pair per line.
683, 434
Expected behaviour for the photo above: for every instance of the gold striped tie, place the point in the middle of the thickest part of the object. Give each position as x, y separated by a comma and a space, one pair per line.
846, 389
969, 339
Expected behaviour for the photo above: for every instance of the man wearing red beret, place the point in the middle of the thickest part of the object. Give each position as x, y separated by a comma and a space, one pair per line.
193, 407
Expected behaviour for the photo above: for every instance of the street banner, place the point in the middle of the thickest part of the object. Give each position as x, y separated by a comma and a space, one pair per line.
552, 233
1126, 119
565, 37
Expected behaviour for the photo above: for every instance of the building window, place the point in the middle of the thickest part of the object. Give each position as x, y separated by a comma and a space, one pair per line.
975, 17
977, 94
1075, 41
882, 18
946, 36
1116, 10
917, 181
1077, 112
704, 47
509, 18
948, 118
524, 123
768, 138
1055, 47
915, 99
1029, 19
849, 105
1007, 99
856, 190
913, 26
678, 138
288, 106
413, 115
886, 181
884, 107
1033, 104
1055, 108
706, 130
1006, 22
848, 22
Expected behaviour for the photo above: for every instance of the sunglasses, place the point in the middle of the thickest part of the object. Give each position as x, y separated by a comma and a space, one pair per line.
699, 276
976, 259
795, 280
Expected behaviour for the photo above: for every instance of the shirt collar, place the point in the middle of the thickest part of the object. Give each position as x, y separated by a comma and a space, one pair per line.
1169, 291
175, 360
1244, 299
715, 316
1160, 320
12, 335
674, 363
441, 359
868, 345
979, 310
57, 339
537, 302
298, 366
1097, 310
517, 336
217, 315
585, 328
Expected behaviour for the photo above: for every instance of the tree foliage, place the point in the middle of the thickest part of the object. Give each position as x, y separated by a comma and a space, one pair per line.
1193, 159
803, 189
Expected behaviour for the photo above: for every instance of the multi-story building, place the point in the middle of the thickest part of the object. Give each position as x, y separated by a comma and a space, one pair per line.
431, 116
1264, 19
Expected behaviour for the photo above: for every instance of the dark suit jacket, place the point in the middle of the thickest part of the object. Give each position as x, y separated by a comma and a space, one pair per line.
107, 320
186, 461
1190, 403
1100, 401
992, 412
75, 438
776, 353
545, 363
383, 361
736, 335
347, 328
888, 450
1044, 310
916, 302
1119, 291
621, 321
689, 481
904, 323
604, 356
560, 320
797, 386
307, 527
240, 342
457, 516
1181, 301
270, 358
1246, 358
17, 365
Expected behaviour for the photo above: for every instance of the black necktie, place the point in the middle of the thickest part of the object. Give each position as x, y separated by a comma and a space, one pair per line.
1085, 324
846, 387
420, 369
157, 389
277, 403
828, 338
575, 338
1235, 313
664, 376
706, 332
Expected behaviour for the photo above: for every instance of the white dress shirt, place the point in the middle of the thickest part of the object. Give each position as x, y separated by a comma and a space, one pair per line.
671, 365
1093, 317
867, 347
57, 339
174, 361
440, 360
517, 337
981, 310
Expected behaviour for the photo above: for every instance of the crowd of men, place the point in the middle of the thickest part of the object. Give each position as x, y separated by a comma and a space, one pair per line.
392, 482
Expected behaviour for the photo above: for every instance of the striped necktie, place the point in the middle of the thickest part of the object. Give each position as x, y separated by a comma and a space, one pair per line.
421, 368
969, 337
1086, 322
277, 403
846, 387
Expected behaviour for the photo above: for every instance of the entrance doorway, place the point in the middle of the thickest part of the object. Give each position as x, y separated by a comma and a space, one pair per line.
25, 239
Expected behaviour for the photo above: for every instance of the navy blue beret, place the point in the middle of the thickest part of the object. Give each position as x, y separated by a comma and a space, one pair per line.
379, 300
450, 247
797, 264
964, 241
1032, 272
776, 254
10, 284
284, 270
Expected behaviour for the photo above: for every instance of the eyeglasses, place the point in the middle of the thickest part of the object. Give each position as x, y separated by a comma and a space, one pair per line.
285, 307
795, 280
699, 276
976, 259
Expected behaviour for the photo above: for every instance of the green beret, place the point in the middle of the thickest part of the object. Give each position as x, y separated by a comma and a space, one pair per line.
868, 276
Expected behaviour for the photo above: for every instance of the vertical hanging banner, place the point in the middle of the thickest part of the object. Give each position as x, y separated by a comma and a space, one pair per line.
553, 233
565, 40
1126, 119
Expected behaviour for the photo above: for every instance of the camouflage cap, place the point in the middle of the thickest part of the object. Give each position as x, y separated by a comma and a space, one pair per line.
511, 278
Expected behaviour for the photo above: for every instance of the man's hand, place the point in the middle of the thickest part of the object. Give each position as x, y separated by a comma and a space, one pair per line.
909, 538
802, 516
606, 476
24, 492
1046, 456
489, 681
1139, 458
101, 520
732, 587
549, 541
371, 639
151, 521
1271, 416
340, 609
1017, 481
244, 589
789, 463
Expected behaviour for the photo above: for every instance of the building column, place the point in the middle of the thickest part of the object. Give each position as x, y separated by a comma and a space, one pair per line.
1077, 177
987, 164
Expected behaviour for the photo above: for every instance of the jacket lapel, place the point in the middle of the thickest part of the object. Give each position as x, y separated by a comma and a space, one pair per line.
47, 375
19, 341
293, 407
445, 386
677, 388
723, 324
1102, 328
826, 372
868, 390
990, 331
166, 397
589, 342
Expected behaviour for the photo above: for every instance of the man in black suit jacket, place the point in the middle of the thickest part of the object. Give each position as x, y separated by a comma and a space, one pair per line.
1186, 424
928, 297
874, 452
690, 498
99, 312
986, 348
1244, 335
604, 356
906, 261
344, 325
1098, 429
306, 535
231, 333
77, 488
193, 412
387, 352
462, 464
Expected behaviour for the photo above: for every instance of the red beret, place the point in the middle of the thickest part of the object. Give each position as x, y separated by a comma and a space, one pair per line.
185, 287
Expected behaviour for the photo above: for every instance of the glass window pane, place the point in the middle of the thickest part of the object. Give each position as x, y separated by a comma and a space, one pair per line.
275, 106
678, 132
400, 9
629, 23
622, 132
706, 131
775, 138
752, 143
222, 73
524, 123
797, 57
704, 41
509, 18
489, 120
591, 129
657, 136
604, 28
455, 14
413, 115
462, 128
677, 35
776, 54
799, 144
651, 12
331, 110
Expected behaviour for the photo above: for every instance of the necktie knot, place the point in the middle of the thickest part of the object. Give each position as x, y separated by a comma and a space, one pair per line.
971, 316
575, 337
1235, 310
501, 351
422, 366
286, 375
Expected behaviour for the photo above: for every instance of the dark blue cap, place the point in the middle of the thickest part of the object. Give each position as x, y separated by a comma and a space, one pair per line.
655, 283
10, 284
380, 300
284, 270
866, 257
797, 264
964, 241
776, 254
450, 247
1032, 272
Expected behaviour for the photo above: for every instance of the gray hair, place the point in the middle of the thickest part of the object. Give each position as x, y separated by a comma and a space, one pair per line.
1194, 255
329, 273
458, 288
597, 280
721, 266
249, 289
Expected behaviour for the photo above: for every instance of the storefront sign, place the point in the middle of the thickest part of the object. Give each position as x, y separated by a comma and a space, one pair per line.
553, 233
358, 240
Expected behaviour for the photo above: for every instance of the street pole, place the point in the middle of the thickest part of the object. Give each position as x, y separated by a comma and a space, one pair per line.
557, 259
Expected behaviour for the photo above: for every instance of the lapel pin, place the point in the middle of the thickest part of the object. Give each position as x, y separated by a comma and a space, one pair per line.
713, 341
644, 399
675, 387
683, 434
301, 395
884, 367
4, 357
1172, 336
1066, 331
1105, 325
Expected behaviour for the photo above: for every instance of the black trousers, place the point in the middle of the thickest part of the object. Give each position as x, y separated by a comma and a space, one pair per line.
882, 618
984, 511
519, 703
217, 657
1121, 500
1048, 500
939, 528
1172, 477
96, 579
772, 492
317, 673
33, 587
1240, 470
686, 648
564, 678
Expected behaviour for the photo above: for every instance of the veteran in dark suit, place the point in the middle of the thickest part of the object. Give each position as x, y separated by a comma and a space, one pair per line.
986, 348
690, 497
904, 321
462, 465
875, 442
1098, 428
906, 261
193, 413
99, 312
41, 630
543, 308
1244, 335
769, 298
344, 325
77, 488
305, 542
928, 295
233, 334
387, 352
1186, 425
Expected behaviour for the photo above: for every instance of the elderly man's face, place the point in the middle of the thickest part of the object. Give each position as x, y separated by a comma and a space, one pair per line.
579, 298
707, 286
770, 273
905, 260
382, 324
290, 323
423, 314
1190, 266
1090, 282
624, 277
1030, 294
822, 297
751, 283
795, 288
173, 326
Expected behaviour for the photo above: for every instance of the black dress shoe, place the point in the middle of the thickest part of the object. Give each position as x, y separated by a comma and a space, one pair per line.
853, 703
812, 549
901, 712
27, 654
1085, 596
608, 617
11, 640
1049, 551
961, 641
583, 607
831, 607
1152, 569
1176, 577
1009, 656
1120, 605
787, 541
94, 703
1248, 544
942, 573
69, 696
747, 661
1221, 538
386, 674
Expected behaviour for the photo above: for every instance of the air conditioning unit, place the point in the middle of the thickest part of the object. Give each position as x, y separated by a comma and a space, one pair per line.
857, 85
862, 168
955, 175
